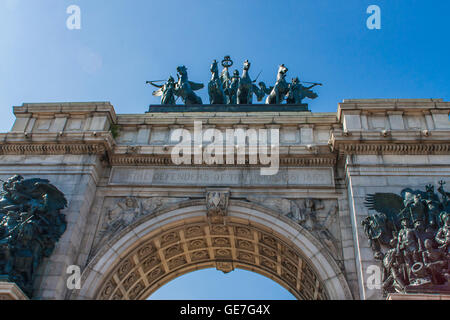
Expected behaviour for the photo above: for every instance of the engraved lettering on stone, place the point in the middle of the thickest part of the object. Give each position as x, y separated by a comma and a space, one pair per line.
221, 177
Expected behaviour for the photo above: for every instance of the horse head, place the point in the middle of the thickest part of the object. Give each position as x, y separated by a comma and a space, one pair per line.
247, 65
182, 71
214, 67
282, 70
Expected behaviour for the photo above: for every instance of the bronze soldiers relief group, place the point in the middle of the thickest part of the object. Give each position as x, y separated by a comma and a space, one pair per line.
414, 230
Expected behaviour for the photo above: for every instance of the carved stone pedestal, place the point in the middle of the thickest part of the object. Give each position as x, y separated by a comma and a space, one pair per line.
10, 291
418, 296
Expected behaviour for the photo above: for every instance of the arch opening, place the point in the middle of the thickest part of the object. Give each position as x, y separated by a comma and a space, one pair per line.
211, 284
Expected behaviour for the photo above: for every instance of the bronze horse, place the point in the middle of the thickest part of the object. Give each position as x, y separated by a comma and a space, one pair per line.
185, 88
247, 88
280, 89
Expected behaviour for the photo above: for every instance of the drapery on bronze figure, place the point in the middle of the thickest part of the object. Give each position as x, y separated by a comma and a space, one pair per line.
419, 240
236, 86
215, 89
30, 226
231, 92
226, 79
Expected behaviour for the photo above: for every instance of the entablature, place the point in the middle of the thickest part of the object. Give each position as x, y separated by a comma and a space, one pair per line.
399, 126
393, 126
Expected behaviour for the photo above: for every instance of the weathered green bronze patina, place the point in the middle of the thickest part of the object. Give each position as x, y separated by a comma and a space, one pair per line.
223, 89
226, 79
246, 87
166, 91
297, 92
280, 89
215, 88
414, 227
30, 225
185, 88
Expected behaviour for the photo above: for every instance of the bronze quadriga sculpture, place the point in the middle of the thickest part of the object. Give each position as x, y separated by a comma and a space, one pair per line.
223, 89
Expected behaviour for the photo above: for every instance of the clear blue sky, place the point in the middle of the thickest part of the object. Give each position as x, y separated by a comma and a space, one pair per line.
210, 284
122, 44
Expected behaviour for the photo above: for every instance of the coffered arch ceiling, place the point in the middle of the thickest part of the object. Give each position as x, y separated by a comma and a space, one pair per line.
150, 253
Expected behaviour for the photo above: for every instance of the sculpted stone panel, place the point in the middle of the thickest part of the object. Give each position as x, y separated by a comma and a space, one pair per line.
316, 215
118, 213
170, 252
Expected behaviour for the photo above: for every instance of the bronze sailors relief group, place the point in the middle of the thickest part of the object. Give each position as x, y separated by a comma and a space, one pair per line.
237, 89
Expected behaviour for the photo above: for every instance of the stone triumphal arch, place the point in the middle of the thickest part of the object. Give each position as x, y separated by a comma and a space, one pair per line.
135, 220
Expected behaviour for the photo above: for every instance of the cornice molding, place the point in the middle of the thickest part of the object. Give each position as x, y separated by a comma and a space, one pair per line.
144, 160
393, 148
52, 149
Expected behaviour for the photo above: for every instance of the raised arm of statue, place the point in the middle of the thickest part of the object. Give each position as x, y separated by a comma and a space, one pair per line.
154, 84
313, 85
445, 195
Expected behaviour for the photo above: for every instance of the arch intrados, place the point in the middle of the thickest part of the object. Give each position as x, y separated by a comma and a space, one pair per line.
192, 214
